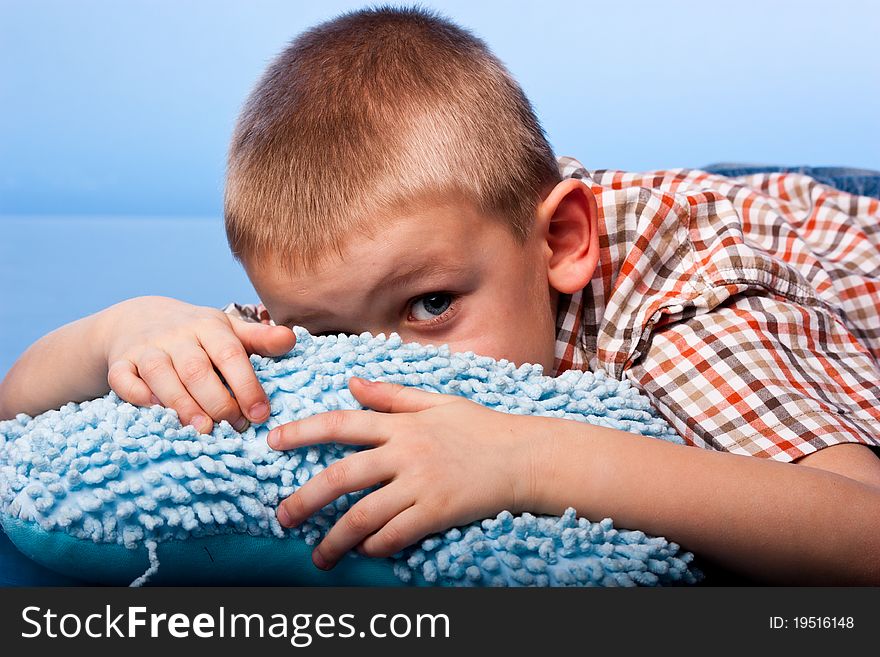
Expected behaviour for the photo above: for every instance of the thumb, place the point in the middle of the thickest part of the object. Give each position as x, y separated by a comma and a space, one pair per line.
263, 339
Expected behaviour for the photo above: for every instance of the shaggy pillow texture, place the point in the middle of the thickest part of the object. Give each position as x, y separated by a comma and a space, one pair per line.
108, 491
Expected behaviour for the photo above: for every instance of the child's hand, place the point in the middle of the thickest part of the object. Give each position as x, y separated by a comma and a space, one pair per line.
164, 351
445, 461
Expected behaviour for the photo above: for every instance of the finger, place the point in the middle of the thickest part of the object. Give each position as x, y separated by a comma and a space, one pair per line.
369, 514
393, 397
196, 371
123, 378
401, 531
157, 370
349, 427
355, 472
263, 339
230, 357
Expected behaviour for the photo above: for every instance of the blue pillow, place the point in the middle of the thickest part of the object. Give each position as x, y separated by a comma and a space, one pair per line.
114, 493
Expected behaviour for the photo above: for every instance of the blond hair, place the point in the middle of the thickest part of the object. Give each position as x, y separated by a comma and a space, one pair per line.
372, 112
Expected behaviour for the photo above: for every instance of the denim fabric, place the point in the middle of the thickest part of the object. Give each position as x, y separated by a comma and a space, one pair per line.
864, 182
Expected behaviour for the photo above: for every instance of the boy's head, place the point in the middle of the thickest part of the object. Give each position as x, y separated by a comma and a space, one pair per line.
387, 141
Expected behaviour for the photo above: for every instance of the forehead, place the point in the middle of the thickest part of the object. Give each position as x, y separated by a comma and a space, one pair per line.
429, 241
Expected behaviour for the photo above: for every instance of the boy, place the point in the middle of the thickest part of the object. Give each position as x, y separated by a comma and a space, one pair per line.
387, 174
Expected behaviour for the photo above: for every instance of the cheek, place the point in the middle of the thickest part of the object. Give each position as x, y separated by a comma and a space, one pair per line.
499, 338
525, 331
509, 318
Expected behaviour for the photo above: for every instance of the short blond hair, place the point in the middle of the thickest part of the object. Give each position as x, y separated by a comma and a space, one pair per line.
375, 111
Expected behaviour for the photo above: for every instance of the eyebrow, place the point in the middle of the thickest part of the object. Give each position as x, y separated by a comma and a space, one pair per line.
397, 281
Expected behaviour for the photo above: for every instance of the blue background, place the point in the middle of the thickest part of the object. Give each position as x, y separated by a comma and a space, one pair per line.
116, 117
127, 107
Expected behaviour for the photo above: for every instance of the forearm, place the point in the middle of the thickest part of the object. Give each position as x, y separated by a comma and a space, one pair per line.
65, 365
774, 521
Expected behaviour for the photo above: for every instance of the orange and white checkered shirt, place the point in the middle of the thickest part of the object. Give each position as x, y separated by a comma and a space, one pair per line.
747, 309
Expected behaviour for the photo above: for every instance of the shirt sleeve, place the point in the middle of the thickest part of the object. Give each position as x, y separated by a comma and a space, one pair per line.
763, 376
249, 312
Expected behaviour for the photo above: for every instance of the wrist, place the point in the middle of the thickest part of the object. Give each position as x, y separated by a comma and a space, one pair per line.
102, 325
567, 466
539, 467
100, 328
93, 336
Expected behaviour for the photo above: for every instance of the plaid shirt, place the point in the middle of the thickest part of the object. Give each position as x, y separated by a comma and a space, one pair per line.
747, 309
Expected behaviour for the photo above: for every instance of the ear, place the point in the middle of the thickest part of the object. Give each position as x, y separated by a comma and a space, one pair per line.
569, 217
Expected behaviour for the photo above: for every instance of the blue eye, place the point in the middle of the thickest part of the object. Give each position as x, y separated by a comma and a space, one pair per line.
434, 305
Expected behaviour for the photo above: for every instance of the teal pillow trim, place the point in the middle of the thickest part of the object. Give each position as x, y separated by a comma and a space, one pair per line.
216, 560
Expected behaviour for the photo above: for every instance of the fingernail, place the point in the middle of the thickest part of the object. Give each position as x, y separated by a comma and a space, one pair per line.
364, 381
241, 424
319, 561
283, 516
154, 399
272, 438
259, 410
197, 421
